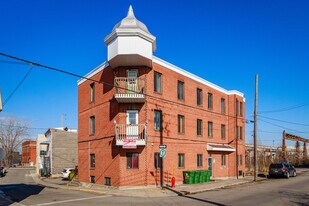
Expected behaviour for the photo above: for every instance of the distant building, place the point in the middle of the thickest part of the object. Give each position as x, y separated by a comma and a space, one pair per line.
39, 147
28, 153
58, 151
147, 102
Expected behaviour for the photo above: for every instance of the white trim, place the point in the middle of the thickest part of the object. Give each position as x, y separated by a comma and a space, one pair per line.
93, 72
194, 77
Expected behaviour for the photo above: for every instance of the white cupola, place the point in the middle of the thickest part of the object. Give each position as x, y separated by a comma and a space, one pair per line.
130, 43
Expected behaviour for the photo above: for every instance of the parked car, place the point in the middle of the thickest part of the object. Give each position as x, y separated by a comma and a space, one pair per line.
65, 172
282, 169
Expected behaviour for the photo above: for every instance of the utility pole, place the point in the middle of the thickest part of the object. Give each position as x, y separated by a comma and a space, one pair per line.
255, 125
237, 134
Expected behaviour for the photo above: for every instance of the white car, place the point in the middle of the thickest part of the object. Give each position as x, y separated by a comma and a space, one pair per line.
65, 172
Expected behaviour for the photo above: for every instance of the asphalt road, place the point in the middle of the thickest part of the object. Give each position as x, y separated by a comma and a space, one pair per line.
18, 188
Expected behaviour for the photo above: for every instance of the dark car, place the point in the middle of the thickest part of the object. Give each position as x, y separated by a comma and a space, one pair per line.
282, 169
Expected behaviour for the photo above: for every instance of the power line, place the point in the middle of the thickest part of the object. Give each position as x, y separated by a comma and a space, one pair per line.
111, 85
12, 62
307, 125
284, 127
19, 84
285, 108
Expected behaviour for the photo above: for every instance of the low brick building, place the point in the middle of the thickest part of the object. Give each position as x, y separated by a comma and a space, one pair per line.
134, 102
28, 155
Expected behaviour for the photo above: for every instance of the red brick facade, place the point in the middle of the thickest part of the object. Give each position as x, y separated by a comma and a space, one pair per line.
111, 160
28, 153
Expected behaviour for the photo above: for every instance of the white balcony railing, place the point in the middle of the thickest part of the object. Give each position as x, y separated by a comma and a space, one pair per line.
129, 90
131, 135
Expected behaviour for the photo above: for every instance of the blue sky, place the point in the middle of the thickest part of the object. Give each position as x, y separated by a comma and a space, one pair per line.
225, 42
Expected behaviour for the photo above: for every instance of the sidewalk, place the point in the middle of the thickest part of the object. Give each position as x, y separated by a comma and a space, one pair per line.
143, 191
183, 189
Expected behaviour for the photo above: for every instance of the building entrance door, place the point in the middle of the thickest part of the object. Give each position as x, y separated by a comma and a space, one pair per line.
210, 165
132, 84
132, 124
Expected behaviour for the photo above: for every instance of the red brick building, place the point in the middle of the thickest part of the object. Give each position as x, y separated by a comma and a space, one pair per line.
134, 102
28, 155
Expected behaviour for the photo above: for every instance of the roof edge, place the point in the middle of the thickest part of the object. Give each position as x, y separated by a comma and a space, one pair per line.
195, 77
93, 72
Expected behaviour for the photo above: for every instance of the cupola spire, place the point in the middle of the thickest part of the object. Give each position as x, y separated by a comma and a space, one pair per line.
130, 13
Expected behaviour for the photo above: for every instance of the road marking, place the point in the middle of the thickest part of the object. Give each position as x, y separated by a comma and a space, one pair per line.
74, 200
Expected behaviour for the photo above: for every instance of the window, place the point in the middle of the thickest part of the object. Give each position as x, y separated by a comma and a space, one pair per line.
210, 125
107, 181
157, 120
199, 160
240, 109
132, 160
157, 160
240, 159
158, 82
181, 124
222, 105
240, 132
223, 160
237, 107
199, 127
180, 90
92, 160
199, 97
92, 179
209, 100
181, 160
92, 125
92, 92
222, 131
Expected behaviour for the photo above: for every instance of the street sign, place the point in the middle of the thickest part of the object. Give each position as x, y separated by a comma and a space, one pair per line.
162, 146
162, 152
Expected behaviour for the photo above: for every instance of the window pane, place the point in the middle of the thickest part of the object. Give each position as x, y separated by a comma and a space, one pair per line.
181, 122
92, 92
223, 106
210, 129
240, 132
209, 100
92, 160
132, 160
199, 160
222, 131
199, 127
180, 90
157, 119
199, 97
157, 160
157, 82
237, 107
92, 125
181, 158
240, 109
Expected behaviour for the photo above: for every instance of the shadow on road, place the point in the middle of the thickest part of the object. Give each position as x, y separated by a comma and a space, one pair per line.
19, 192
194, 198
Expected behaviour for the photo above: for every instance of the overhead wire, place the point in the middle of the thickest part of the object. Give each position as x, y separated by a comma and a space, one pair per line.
285, 108
112, 85
18, 85
307, 125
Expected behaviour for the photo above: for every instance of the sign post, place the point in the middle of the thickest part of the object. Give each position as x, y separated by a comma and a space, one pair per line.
162, 155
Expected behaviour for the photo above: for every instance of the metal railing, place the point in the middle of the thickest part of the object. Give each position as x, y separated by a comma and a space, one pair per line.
131, 131
129, 85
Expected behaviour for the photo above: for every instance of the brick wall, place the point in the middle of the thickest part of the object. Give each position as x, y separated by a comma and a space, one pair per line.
111, 159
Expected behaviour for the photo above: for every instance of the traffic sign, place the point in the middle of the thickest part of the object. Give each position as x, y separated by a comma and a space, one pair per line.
162, 146
162, 152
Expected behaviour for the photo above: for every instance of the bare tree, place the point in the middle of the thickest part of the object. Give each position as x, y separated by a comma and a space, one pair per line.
12, 133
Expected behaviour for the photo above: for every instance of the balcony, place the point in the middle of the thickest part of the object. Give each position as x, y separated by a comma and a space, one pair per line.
129, 136
129, 90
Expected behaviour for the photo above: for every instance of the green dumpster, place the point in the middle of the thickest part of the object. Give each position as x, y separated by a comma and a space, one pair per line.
204, 175
186, 177
197, 177
201, 176
192, 177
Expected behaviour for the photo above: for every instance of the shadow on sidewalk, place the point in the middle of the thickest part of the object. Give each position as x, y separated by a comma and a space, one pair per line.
193, 198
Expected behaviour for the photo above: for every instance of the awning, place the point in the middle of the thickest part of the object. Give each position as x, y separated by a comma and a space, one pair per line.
220, 147
45, 143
